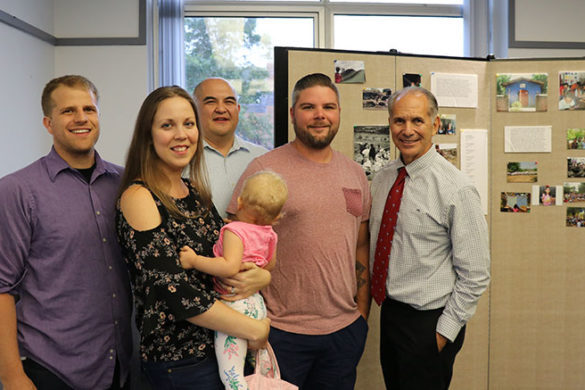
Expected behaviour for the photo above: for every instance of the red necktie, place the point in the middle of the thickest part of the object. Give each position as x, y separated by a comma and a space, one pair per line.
382, 255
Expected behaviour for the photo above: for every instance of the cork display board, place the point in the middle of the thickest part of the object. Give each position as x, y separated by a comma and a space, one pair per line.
526, 332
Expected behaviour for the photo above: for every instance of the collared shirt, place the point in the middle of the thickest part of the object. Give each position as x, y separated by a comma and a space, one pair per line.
224, 172
60, 256
440, 250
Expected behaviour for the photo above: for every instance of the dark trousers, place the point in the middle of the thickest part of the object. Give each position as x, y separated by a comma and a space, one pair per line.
186, 374
408, 348
320, 361
44, 379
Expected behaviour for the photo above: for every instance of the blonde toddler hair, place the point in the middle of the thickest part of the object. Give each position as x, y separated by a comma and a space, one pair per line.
263, 195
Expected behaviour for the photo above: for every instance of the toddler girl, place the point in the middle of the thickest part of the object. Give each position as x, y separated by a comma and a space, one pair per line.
251, 238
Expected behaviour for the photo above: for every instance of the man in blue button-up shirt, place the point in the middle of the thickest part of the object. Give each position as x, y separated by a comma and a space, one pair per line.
65, 300
226, 158
226, 155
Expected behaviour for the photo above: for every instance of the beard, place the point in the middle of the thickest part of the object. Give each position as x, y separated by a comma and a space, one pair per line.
312, 141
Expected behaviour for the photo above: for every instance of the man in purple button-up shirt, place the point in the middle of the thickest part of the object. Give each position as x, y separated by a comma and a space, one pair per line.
65, 300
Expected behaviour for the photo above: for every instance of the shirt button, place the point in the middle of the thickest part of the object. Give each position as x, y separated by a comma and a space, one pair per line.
111, 358
111, 351
114, 295
97, 213
116, 322
104, 239
110, 267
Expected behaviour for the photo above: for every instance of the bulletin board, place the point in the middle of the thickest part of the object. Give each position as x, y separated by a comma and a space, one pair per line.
526, 332
537, 314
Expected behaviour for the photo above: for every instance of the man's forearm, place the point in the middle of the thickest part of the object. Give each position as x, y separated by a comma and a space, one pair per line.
363, 297
10, 364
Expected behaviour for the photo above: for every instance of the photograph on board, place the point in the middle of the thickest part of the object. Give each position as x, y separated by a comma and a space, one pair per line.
521, 92
448, 124
522, 172
575, 217
349, 72
375, 98
573, 192
515, 202
411, 80
371, 147
576, 139
448, 151
571, 91
575, 166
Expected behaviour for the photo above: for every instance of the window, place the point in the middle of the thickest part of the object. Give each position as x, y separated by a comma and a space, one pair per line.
400, 1
426, 34
241, 50
236, 40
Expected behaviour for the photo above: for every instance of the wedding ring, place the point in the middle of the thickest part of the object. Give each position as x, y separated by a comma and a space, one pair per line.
233, 290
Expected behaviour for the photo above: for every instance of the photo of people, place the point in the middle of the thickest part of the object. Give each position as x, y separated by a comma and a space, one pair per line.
349, 71
571, 91
515, 202
411, 80
575, 216
449, 151
576, 139
371, 147
523, 92
447, 124
575, 167
573, 192
376, 98
522, 172
547, 195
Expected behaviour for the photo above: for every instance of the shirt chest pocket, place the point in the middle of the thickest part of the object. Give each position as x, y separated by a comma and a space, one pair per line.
353, 201
421, 224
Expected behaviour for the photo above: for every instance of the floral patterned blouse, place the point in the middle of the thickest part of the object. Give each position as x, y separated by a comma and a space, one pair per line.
165, 294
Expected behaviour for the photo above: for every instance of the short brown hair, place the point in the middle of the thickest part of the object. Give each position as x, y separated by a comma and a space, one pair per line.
312, 80
70, 81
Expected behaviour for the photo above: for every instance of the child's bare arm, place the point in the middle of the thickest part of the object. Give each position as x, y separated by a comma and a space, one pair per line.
272, 261
225, 266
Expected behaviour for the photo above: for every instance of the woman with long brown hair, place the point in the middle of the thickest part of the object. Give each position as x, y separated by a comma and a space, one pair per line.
160, 212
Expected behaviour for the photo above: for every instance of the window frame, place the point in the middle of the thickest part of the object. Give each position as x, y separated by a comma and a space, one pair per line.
323, 13
213, 9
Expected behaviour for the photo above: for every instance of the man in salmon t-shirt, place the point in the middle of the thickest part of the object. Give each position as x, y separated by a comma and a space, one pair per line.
318, 299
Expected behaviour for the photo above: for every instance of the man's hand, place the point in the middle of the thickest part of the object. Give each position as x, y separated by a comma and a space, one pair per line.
248, 281
12, 374
18, 382
441, 341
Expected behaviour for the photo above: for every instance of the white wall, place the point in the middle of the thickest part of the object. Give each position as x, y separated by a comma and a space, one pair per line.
119, 72
96, 19
39, 13
27, 64
548, 21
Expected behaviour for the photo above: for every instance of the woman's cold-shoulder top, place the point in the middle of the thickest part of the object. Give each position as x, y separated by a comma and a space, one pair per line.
165, 294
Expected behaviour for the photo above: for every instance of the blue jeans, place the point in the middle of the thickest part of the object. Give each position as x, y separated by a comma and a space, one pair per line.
184, 374
320, 361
